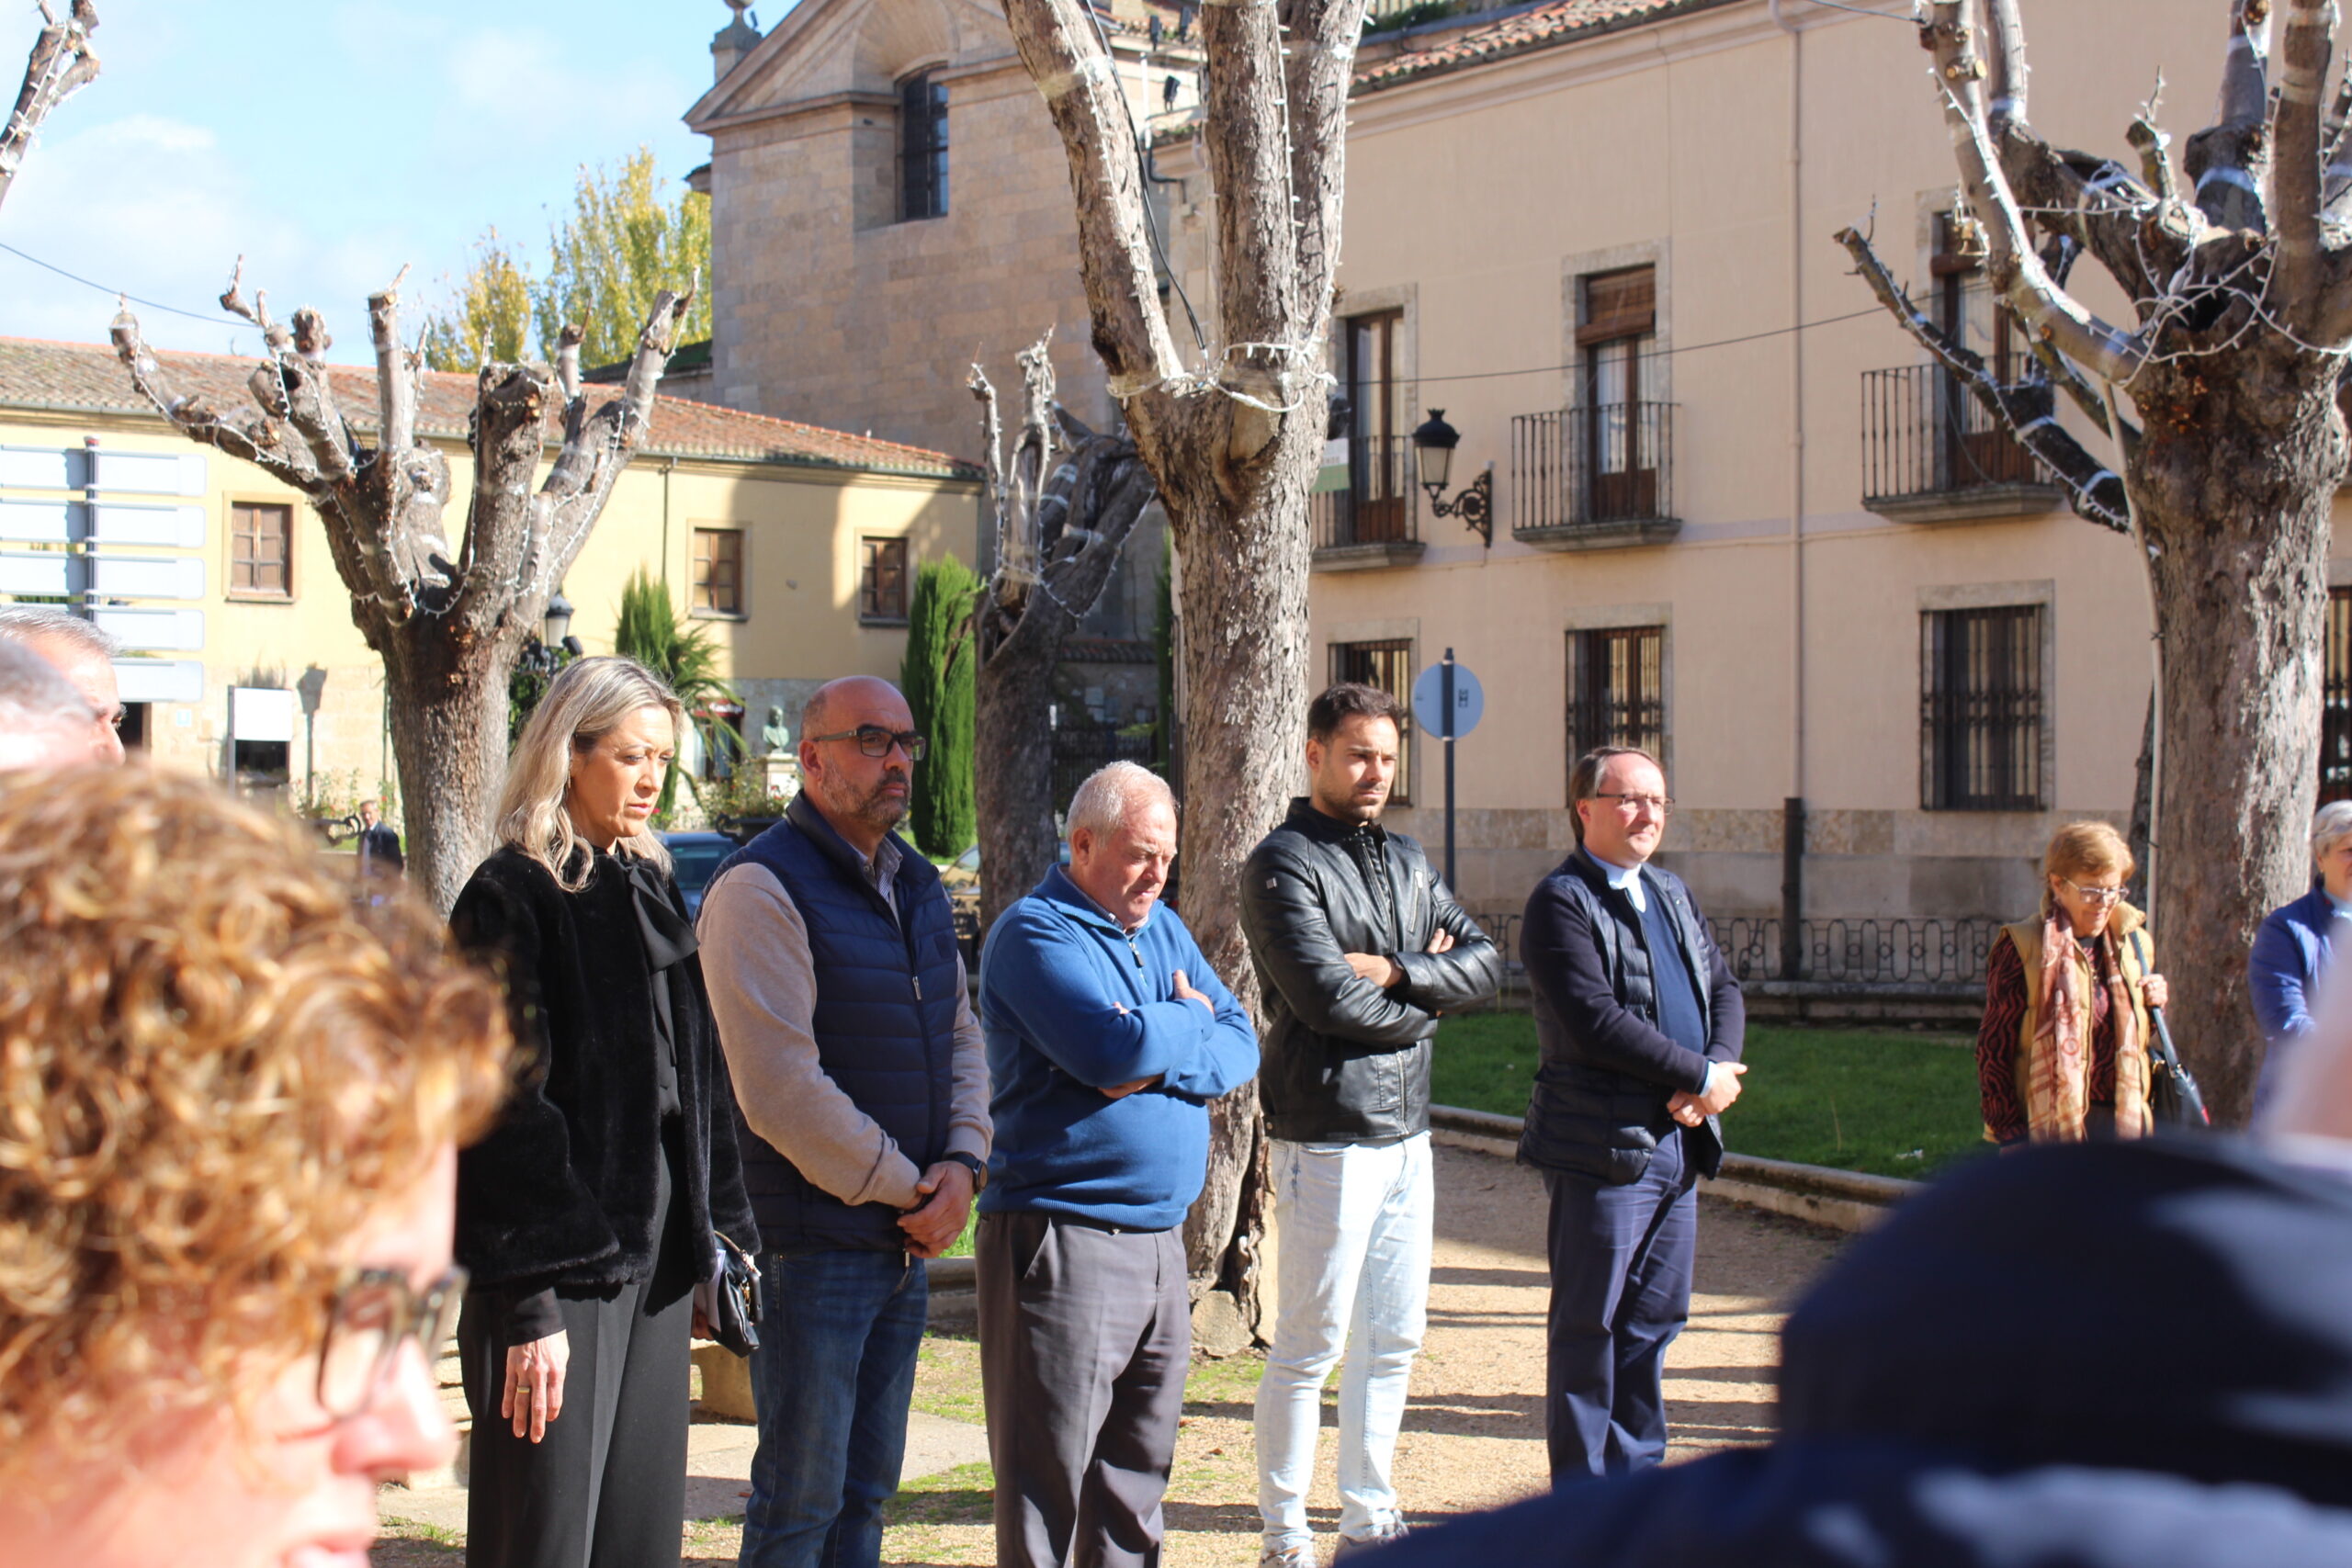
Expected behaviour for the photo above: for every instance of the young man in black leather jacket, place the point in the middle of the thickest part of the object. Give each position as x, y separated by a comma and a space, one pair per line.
1359, 947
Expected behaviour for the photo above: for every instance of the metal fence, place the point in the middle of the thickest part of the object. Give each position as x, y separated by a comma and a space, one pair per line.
1589, 466
1078, 751
1924, 434
1916, 951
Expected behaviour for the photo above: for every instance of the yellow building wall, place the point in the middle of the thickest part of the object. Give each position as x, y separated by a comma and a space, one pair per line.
802, 526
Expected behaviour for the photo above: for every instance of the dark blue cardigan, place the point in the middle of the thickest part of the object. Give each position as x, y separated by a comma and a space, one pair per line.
2289, 953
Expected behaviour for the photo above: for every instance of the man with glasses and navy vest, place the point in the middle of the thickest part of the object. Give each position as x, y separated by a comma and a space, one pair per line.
862, 1079
1640, 1025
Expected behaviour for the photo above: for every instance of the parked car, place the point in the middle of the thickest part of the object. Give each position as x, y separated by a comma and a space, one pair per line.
695, 858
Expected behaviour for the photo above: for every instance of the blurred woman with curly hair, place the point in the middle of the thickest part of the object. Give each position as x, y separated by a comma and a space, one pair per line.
230, 1109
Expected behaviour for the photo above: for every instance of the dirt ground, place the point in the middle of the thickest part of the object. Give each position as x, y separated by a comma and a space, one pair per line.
1473, 1435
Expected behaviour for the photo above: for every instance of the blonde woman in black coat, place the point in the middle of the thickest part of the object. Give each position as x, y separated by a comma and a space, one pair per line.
586, 1217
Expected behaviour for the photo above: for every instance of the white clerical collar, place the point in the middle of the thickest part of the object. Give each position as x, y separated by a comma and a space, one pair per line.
1626, 879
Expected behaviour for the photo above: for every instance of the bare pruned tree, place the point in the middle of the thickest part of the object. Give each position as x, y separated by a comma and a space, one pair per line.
2238, 260
448, 623
61, 65
1060, 528
1234, 437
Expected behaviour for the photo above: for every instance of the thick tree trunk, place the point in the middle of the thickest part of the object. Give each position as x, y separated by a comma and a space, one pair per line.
1014, 771
2234, 484
448, 713
1243, 606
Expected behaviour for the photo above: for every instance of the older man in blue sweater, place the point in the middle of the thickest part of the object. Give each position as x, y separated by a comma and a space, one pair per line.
1108, 1034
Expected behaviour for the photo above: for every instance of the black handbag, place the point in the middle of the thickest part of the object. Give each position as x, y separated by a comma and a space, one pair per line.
734, 1310
2173, 1095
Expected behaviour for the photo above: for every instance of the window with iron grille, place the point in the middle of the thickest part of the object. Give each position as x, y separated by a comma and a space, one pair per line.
882, 582
922, 147
1980, 709
718, 571
1616, 690
1389, 666
261, 552
2335, 699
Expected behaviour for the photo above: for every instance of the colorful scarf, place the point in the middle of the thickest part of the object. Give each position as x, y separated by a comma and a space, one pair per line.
2058, 1076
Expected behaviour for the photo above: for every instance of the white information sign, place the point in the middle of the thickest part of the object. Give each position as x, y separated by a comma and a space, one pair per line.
36, 521
147, 577
30, 573
33, 468
155, 631
160, 679
261, 712
169, 528
149, 473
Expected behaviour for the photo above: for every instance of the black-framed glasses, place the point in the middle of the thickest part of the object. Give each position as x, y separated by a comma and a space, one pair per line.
375, 1312
2093, 895
876, 741
1661, 804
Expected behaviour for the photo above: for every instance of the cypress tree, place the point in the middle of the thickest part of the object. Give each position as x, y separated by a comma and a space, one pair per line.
940, 679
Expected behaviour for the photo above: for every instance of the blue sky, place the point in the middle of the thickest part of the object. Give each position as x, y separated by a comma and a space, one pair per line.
330, 141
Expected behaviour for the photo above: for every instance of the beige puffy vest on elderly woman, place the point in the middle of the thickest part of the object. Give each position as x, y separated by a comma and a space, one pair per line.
2054, 1042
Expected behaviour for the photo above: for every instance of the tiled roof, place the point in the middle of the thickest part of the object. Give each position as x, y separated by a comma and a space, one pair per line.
37, 374
1535, 27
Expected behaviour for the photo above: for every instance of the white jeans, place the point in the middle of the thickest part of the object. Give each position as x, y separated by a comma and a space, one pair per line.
1352, 1227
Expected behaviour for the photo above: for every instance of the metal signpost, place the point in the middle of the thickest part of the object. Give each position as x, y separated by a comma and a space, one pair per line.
1448, 702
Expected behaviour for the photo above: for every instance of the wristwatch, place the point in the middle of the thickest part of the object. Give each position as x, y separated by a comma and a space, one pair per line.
977, 1166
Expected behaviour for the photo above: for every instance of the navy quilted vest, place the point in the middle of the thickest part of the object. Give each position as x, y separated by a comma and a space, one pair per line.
885, 1024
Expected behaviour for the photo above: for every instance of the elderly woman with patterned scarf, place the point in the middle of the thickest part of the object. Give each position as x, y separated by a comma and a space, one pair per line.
2062, 1053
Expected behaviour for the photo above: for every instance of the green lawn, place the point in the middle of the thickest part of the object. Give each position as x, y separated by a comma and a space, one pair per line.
1892, 1102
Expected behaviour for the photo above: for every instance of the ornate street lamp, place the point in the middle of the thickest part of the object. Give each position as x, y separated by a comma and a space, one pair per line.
559, 619
1433, 446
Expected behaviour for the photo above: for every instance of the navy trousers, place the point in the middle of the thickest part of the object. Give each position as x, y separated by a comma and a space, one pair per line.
1621, 1291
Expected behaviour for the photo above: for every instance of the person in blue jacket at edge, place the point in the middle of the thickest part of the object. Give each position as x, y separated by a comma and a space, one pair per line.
1108, 1034
2290, 952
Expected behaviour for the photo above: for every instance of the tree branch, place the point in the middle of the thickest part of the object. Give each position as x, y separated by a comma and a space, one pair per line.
2303, 79
2010, 264
2229, 159
59, 65
1002, 591
1067, 58
1250, 163
260, 442
2006, 82
1322, 35
2028, 409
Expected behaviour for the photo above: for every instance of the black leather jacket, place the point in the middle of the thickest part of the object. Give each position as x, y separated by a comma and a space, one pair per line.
1346, 1061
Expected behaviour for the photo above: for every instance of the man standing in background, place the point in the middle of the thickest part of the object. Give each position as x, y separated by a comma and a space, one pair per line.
1640, 1024
1108, 1034
1359, 947
861, 1077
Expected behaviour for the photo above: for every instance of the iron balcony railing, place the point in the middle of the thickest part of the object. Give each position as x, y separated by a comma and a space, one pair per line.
1379, 505
1924, 434
1903, 949
1592, 466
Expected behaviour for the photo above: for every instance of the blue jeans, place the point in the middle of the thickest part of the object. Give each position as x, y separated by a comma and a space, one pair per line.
831, 1381
1353, 1223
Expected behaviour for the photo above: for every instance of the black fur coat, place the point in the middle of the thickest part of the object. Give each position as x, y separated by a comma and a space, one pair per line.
562, 1192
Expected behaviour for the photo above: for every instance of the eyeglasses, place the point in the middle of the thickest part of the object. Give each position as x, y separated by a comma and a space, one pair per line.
1661, 804
2094, 894
375, 1312
876, 741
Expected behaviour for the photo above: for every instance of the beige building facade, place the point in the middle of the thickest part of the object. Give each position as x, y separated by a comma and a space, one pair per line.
796, 546
1735, 513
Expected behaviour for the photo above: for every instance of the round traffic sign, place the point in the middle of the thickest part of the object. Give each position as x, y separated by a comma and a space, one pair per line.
1428, 701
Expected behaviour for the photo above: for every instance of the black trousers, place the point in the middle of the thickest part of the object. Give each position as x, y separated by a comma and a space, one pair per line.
1620, 1293
606, 1486
1085, 1338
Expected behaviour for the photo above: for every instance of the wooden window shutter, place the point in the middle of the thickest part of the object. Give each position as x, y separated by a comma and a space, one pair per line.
1619, 305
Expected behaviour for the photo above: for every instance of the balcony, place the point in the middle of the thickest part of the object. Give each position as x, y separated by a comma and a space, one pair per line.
1375, 520
1932, 453
1594, 478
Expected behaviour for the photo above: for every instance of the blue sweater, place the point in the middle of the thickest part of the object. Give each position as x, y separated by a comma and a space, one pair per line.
2291, 954
1070, 1004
